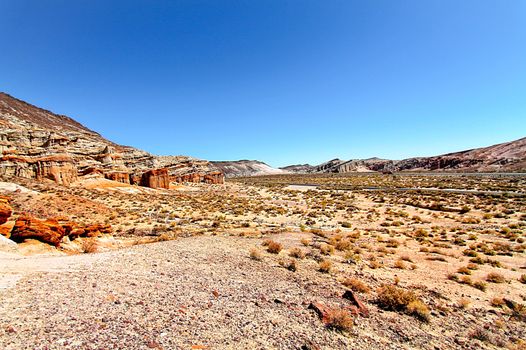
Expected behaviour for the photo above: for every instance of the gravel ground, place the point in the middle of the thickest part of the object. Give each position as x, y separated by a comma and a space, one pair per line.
194, 293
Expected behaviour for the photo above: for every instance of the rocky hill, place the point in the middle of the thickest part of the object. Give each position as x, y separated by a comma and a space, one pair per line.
246, 168
504, 157
36, 143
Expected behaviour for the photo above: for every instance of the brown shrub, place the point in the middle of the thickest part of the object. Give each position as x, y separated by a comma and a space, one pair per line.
397, 299
495, 277
325, 266
356, 285
274, 247
89, 246
339, 319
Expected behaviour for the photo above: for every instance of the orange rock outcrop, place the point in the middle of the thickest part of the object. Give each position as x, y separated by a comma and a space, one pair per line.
156, 178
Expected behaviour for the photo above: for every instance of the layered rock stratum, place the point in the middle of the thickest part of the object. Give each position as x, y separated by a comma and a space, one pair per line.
503, 157
38, 144
246, 168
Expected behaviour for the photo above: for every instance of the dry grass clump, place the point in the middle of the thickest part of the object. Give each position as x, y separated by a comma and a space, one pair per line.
339, 319
397, 299
288, 264
464, 270
297, 253
495, 277
464, 303
274, 247
480, 285
325, 266
356, 285
306, 242
400, 264
497, 302
255, 254
89, 246
326, 249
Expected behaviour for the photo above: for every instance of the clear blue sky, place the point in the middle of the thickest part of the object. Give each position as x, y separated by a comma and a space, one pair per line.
283, 81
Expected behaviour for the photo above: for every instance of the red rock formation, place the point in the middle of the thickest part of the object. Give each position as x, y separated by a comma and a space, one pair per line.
48, 231
96, 230
5, 209
59, 168
157, 178
215, 177
118, 176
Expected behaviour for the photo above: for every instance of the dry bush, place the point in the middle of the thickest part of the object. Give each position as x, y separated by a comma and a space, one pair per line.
497, 302
274, 247
325, 266
89, 246
255, 254
399, 264
464, 303
464, 270
306, 242
356, 285
480, 285
326, 249
343, 245
397, 299
297, 253
495, 277
339, 319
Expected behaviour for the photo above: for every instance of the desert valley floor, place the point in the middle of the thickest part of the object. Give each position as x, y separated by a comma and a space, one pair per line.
360, 261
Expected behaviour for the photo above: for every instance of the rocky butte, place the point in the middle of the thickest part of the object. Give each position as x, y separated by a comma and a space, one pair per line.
38, 144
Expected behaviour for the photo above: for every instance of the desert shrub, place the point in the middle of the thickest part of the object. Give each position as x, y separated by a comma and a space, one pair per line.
274, 247
326, 249
495, 277
464, 303
397, 299
497, 302
305, 242
480, 285
289, 264
464, 270
255, 254
297, 253
343, 245
356, 285
419, 310
399, 264
339, 319
89, 246
325, 266
522, 279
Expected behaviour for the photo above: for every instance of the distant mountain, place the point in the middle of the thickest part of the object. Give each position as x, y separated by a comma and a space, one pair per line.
246, 168
504, 157
299, 168
36, 143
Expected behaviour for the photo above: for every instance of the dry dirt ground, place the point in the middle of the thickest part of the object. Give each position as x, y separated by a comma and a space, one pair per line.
213, 284
198, 292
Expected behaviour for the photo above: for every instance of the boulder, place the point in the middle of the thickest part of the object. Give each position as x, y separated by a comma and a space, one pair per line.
7, 245
5, 209
358, 306
48, 231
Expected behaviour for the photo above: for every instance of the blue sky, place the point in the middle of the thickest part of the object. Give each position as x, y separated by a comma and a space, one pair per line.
284, 81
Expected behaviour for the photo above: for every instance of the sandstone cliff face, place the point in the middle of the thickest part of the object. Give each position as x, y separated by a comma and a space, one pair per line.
157, 178
38, 144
